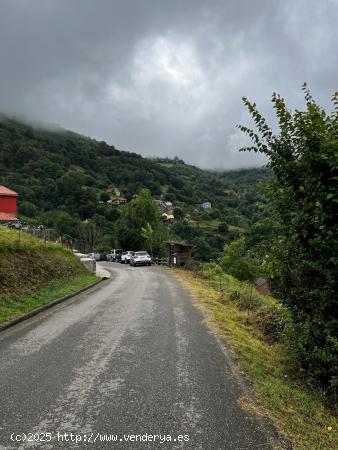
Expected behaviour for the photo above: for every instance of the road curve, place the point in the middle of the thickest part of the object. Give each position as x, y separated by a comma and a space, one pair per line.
128, 357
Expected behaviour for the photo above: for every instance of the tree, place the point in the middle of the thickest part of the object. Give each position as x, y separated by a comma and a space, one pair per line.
178, 213
304, 197
104, 196
89, 235
215, 213
185, 231
147, 233
112, 213
262, 235
223, 227
236, 261
202, 250
28, 209
65, 223
140, 213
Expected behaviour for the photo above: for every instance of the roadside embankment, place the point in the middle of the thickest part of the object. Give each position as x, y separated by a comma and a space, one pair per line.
34, 273
256, 330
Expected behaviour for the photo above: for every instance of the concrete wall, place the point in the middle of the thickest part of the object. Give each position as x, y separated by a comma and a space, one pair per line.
89, 263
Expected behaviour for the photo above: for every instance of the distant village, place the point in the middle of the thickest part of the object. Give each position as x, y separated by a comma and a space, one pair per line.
165, 207
9, 207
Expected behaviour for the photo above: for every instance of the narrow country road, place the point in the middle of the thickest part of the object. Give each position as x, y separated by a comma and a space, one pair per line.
128, 357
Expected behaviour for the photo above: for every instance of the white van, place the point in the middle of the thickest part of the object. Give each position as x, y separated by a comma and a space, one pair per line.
112, 255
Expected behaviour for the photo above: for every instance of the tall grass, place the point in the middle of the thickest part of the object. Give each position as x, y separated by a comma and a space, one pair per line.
259, 330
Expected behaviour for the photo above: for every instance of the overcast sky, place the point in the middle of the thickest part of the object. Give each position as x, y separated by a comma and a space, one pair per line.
164, 77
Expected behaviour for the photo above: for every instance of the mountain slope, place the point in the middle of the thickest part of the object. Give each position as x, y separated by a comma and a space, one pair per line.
58, 172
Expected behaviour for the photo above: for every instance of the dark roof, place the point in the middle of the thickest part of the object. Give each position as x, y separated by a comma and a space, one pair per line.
181, 243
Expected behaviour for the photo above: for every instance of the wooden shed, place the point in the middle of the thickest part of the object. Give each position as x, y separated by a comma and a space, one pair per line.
179, 252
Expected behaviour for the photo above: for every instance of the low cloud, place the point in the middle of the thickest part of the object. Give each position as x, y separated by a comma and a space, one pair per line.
164, 78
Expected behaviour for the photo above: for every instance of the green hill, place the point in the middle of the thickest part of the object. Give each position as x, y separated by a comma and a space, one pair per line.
62, 179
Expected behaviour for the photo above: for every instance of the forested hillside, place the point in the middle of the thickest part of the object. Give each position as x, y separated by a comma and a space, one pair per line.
62, 178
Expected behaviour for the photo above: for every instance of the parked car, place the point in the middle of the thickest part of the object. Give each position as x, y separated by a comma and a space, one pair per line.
95, 255
118, 257
125, 257
16, 225
140, 259
112, 255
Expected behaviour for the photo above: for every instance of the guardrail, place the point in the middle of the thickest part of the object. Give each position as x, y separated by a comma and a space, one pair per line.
161, 261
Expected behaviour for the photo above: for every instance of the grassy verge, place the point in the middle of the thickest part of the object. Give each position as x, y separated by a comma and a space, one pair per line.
34, 273
298, 413
11, 307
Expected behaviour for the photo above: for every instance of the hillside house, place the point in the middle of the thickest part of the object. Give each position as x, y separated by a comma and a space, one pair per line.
8, 204
113, 190
168, 219
205, 205
119, 201
164, 206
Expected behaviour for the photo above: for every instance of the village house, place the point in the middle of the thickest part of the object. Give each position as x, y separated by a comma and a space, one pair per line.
8, 205
168, 219
164, 206
113, 190
119, 201
205, 205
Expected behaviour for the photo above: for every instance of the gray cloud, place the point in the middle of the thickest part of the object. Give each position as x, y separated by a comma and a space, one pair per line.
164, 77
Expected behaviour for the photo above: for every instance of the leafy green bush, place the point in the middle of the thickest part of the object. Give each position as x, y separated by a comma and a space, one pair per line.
194, 266
303, 259
249, 299
234, 293
237, 261
273, 319
245, 297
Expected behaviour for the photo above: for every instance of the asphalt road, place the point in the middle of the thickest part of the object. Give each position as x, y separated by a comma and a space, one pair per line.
129, 357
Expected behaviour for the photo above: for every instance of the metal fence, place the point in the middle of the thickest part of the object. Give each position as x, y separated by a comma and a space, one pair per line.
41, 232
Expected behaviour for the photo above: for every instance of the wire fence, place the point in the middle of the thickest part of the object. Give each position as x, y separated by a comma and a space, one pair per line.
43, 233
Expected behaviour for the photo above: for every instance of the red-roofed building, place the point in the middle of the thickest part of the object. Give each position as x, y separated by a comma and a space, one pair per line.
8, 204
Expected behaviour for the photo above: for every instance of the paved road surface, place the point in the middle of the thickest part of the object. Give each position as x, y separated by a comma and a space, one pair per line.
131, 356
